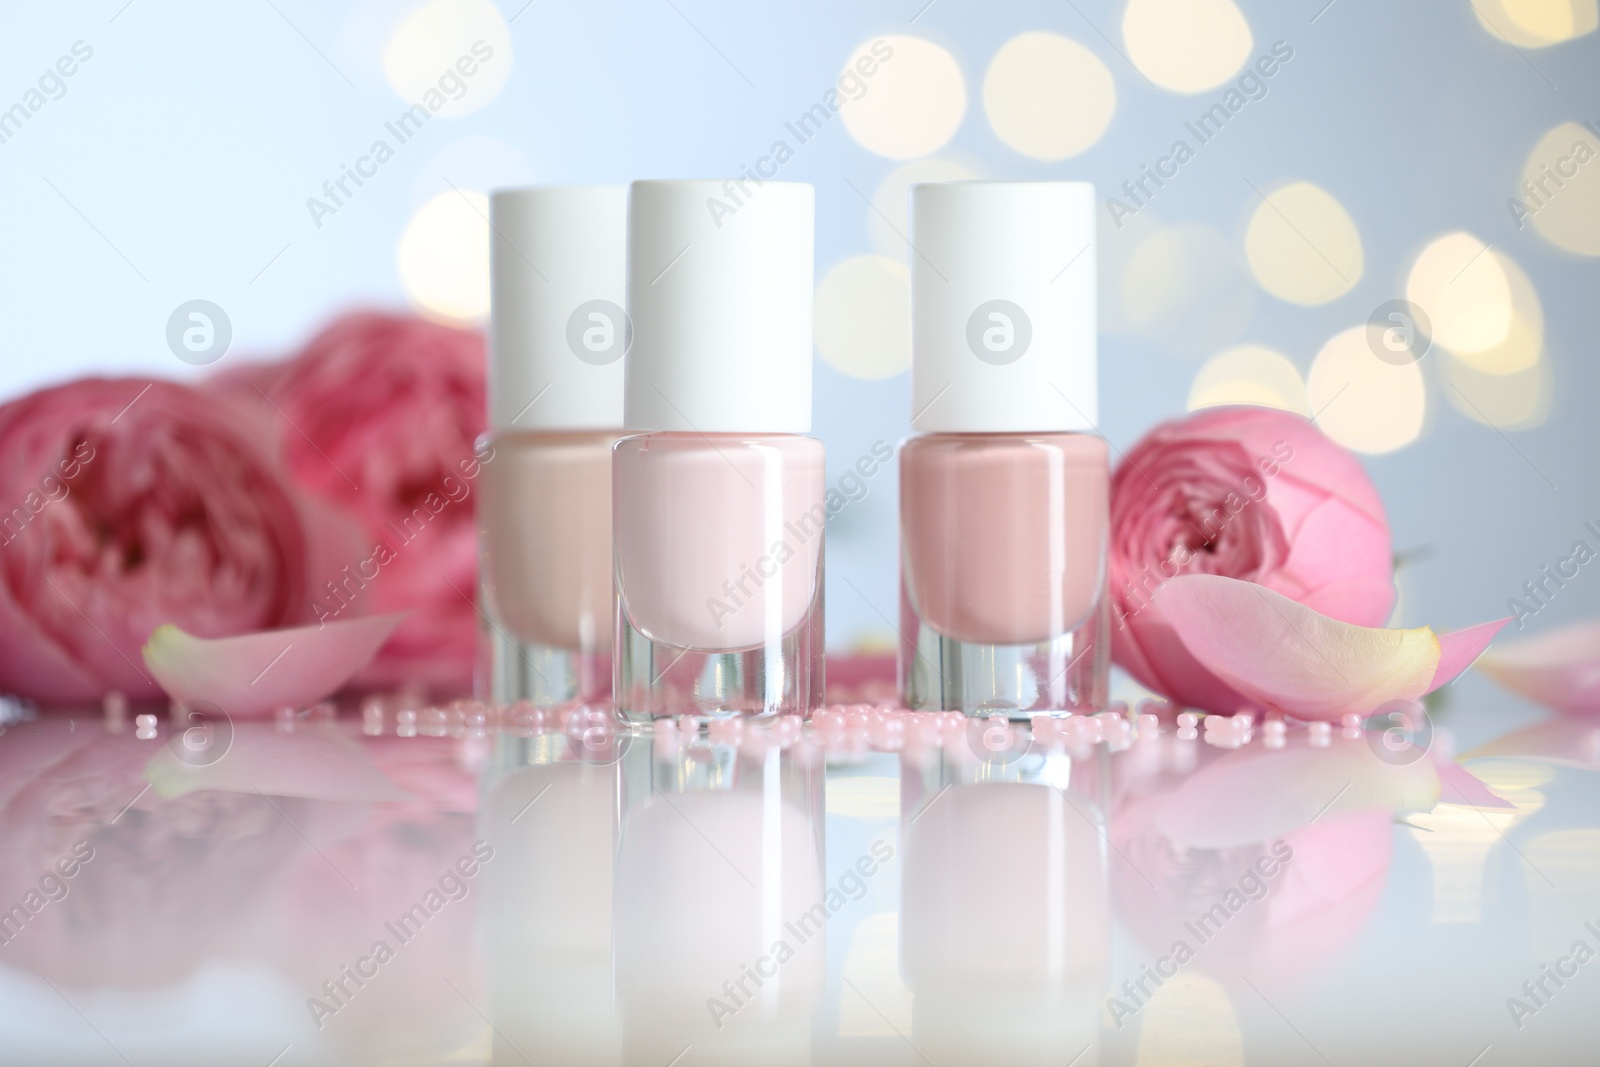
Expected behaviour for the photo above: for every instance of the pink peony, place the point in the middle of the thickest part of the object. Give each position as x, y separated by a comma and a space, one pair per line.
1249, 493
128, 504
378, 416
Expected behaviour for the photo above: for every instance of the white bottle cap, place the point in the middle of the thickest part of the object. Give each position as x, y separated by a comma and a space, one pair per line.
1003, 307
719, 291
557, 332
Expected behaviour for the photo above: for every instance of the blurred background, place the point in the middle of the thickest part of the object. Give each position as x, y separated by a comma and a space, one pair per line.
1336, 156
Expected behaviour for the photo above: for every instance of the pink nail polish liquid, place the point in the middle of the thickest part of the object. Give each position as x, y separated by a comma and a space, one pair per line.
1004, 493
719, 513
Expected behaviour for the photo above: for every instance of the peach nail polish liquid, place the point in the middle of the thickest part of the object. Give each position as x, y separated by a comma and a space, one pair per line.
557, 337
1004, 490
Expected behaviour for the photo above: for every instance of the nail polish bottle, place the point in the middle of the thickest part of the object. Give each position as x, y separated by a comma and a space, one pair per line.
718, 509
1004, 488
557, 337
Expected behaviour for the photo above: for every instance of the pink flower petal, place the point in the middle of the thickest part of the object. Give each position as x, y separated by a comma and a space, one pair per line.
315, 764
1559, 668
1255, 794
1459, 648
1457, 785
1281, 654
1564, 742
254, 674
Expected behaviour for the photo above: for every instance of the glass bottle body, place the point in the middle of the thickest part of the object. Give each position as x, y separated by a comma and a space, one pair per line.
1003, 573
718, 574
544, 523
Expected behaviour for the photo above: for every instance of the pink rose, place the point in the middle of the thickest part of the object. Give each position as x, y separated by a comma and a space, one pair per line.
378, 415
125, 504
1249, 493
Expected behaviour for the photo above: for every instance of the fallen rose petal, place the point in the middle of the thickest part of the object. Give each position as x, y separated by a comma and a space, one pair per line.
313, 764
1283, 655
431, 769
1255, 794
1457, 785
1563, 742
130, 503
1459, 648
1559, 668
256, 673
1249, 493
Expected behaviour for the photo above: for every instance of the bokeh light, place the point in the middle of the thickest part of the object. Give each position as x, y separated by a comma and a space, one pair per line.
1464, 291
1303, 245
889, 217
1562, 877
1186, 289
1187, 46
913, 102
1560, 191
872, 968
1190, 1020
443, 257
1116, 242
1517, 401
471, 162
863, 317
1536, 23
1048, 96
1459, 839
438, 43
1249, 374
1520, 349
1363, 402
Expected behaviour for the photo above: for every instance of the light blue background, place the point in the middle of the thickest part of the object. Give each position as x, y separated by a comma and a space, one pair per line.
194, 136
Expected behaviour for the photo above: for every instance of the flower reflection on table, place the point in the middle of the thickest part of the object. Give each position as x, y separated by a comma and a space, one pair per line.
538, 898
